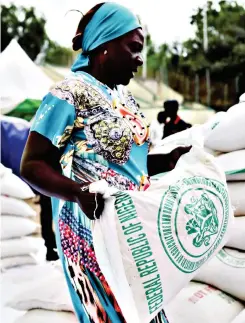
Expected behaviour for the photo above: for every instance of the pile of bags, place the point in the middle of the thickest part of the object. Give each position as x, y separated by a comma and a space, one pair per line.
203, 303
225, 139
199, 302
18, 213
33, 299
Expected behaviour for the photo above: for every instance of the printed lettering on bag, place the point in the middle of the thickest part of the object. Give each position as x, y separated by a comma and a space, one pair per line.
192, 221
232, 258
140, 249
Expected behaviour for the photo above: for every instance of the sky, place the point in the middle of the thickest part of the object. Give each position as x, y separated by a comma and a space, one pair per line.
167, 20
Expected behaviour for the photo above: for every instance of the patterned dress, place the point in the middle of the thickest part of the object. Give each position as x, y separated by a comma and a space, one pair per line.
102, 135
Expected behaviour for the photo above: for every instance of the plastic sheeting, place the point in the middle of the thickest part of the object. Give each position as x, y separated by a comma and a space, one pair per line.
14, 133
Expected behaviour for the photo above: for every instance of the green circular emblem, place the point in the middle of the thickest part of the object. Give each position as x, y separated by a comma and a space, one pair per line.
192, 220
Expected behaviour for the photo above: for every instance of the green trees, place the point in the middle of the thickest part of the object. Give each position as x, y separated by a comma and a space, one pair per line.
24, 25
225, 57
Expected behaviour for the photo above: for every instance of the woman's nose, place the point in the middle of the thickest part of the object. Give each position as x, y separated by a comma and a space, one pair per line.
139, 60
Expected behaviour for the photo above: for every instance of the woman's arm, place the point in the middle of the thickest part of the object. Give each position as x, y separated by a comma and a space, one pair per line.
41, 169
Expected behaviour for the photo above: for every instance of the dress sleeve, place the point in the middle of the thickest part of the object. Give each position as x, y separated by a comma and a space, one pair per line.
55, 120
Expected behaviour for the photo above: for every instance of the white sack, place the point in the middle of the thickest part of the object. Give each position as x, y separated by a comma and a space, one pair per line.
233, 164
242, 98
15, 227
228, 135
199, 303
20, 246
237, 195
240, 318
49, 293
43, 316
17, 207
237, 234
18, 279
226, 271
162, 236
17, 261
13, 186
4, 170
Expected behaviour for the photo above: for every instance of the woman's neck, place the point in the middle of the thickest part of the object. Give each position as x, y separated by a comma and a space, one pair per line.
100, 76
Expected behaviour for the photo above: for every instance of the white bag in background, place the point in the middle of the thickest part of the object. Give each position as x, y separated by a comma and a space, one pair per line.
18, 279
237, 195
242, 98
233, 164
228, 135
16, 207
226, 271
17, 261
16, 227
20, 246
4, 170
13, 186
240, 318
43, 316
210, 125
49, 293
200, 303
237, 234
163, 235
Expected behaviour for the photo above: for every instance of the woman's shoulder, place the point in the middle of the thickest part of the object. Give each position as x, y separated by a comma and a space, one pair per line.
73, 81
75, 88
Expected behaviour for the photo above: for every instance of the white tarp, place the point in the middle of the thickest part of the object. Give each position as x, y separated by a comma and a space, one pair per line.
20, 78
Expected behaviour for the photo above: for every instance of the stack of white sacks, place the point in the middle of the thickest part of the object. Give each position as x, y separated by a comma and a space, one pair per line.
18, 247
224, 301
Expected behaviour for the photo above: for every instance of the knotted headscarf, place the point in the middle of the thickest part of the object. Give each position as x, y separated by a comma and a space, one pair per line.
110, 21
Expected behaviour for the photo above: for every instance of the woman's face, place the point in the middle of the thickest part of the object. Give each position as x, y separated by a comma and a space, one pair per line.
124, 56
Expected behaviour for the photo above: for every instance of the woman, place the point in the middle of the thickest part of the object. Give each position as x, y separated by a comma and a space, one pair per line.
91, 126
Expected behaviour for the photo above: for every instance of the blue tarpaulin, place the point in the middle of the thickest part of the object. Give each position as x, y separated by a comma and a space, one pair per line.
13, 140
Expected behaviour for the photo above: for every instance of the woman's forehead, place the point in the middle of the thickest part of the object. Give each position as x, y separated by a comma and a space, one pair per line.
135, 35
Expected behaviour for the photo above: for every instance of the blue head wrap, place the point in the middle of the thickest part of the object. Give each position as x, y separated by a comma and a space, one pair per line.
110, 21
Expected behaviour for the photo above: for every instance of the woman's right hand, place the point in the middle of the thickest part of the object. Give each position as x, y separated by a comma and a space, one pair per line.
92, 204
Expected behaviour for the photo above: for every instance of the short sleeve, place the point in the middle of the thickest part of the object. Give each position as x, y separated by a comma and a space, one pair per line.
55, 120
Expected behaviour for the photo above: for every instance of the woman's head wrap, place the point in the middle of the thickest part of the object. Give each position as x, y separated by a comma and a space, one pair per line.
110, 21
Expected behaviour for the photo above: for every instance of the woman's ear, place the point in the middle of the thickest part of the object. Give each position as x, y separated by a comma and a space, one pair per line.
76, 42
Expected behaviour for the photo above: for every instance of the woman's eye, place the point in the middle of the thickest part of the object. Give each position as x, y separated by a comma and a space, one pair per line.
136, 48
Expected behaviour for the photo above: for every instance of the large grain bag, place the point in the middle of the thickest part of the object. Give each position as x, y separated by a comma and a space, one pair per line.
242, 98
13, 186
48, 293
150, 244
20, 246
233, 164
200, 303
237, 234
237, 195
17, 261
16, 207
15, 227
226, 271
240, 317
212, 122
44, 316
228, 135
4, 170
